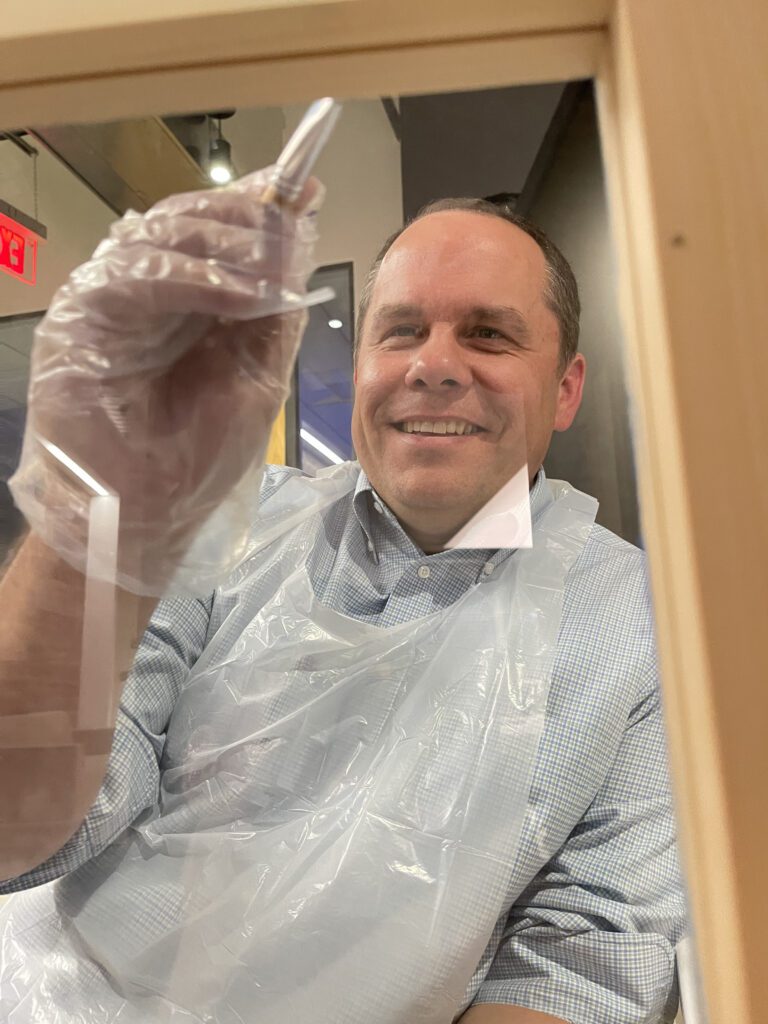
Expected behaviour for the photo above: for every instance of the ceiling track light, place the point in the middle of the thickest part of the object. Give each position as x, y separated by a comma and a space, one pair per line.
220, 159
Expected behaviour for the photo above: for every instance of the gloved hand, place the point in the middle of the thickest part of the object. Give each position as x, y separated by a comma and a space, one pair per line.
158, 371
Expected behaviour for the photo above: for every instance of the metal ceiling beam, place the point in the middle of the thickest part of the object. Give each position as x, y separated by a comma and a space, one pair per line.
393, 113
128, 164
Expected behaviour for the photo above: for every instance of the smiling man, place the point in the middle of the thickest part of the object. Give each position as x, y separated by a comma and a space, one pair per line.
461, 376
371, 778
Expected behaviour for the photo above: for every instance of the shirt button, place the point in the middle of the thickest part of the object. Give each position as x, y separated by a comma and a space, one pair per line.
370, 546
377, 506
488, 568
424, 571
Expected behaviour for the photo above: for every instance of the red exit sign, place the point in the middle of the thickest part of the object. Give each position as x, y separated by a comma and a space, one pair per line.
18, 244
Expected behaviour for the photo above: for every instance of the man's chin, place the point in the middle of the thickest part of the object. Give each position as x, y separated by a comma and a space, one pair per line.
439, 495
424, 487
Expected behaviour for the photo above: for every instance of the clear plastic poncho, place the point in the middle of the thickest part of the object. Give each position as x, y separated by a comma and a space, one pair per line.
340, 808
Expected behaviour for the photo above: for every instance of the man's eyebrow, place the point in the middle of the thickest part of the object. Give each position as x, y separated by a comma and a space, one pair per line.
506, 316
396, 311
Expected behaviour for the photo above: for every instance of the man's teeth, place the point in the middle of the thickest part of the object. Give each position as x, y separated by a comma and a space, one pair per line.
441, 427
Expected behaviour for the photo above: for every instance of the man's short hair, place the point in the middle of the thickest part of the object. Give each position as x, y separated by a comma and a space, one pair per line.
561, 293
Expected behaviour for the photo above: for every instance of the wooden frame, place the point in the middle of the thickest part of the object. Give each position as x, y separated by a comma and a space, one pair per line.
683, 98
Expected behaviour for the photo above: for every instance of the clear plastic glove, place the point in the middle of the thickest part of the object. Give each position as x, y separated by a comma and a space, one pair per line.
158, 372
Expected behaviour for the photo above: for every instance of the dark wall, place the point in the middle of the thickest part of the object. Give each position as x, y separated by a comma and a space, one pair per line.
595, 455
472, 143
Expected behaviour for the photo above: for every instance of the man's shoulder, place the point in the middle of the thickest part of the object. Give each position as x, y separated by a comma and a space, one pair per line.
611, 577
276, 477
605, 555
607, 638
605, 546
294, 490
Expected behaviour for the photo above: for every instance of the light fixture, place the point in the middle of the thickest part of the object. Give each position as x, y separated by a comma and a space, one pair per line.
220, 160
336, 324
318, 445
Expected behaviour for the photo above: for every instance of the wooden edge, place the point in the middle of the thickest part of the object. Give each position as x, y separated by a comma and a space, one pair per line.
432, 68
665, 500
91, 37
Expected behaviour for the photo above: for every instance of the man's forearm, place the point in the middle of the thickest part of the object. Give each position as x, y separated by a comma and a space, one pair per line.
50, 768
498, 1013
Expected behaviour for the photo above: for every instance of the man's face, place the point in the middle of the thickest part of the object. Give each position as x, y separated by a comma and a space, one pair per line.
457, 332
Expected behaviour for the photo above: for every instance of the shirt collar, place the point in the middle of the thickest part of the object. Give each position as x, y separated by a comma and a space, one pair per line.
367, 505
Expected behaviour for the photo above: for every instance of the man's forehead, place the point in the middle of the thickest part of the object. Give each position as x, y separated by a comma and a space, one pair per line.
465, 231
455, 260
458, 251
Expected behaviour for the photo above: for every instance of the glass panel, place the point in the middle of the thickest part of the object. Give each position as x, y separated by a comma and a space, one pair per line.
16, 335
361, 772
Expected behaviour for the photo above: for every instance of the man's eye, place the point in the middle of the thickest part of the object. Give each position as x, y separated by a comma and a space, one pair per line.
488, 333
490, 340
404, 331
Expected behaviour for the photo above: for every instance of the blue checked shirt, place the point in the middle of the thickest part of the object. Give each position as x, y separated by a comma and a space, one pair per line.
598, 904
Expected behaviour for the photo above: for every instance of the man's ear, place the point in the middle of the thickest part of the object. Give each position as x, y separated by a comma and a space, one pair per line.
570, 392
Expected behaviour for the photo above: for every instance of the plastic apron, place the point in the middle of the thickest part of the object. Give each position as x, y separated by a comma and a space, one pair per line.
340, 808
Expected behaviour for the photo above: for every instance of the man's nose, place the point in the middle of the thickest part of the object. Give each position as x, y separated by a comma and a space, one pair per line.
439, 362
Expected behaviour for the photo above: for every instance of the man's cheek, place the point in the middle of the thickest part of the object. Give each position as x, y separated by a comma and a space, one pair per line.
381, 371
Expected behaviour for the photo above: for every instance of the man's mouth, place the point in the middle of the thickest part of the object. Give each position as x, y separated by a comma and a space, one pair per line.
438, 428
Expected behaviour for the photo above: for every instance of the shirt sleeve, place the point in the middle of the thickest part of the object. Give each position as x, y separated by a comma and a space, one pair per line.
171, 645
591, 940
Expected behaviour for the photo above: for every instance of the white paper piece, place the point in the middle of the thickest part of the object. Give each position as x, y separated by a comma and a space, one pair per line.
95, 710
689, 978
97, 666
503, 522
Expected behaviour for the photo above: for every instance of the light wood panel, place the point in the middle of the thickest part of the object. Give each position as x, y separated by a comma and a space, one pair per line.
428, 67
43, 40
683, 108
683, 99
